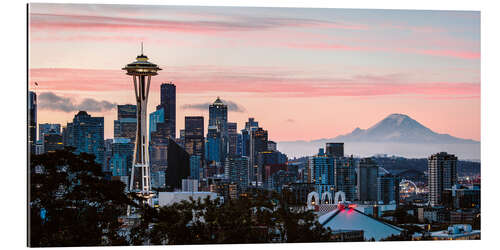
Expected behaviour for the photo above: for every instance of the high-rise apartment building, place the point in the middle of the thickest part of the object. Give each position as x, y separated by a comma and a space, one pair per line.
388, 189
345, 177
367, 180
322, 169
442, 174
236, 170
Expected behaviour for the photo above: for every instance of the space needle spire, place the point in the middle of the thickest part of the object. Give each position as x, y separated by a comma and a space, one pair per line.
141, 71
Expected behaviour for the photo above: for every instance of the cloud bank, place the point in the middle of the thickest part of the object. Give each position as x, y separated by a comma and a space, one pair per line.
51, 101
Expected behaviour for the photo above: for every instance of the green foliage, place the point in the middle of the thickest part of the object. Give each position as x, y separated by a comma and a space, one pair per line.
82, 207
258, 218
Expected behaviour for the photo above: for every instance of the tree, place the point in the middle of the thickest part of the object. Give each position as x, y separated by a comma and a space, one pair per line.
72, 204
259, 217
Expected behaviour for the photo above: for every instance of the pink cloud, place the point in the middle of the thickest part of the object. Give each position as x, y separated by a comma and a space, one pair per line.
452, 53
119, 24
266, 83
432, 52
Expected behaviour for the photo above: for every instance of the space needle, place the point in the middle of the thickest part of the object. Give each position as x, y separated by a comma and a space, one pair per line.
141, 71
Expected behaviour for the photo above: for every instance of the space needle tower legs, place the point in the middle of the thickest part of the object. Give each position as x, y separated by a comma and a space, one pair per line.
141, 71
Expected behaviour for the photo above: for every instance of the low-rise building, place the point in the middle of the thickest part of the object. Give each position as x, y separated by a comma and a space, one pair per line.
454, 232
169, 198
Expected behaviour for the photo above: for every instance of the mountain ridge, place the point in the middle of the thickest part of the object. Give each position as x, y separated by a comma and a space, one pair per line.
395, 128
396, 134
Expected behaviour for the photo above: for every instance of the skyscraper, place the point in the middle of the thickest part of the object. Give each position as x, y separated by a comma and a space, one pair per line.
345, 177
367, 180
195, 166
155, 117
251, 123
322, 169
258, 143
126, 124
388, 189
178, 165
214, 144
335, 149
442, 168
232, 131
86, 134
194, 140
158, 147
236, 170
32, 120
244, 143
167, 102
218, 117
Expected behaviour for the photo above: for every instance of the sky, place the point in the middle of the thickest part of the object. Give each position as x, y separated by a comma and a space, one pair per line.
302, 73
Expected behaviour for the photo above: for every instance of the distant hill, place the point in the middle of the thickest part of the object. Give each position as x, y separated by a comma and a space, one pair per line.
396, 134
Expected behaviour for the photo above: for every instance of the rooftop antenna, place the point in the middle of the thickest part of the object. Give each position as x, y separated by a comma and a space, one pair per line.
142, 49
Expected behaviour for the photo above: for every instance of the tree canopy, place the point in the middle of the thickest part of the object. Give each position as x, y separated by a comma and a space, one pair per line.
71, 203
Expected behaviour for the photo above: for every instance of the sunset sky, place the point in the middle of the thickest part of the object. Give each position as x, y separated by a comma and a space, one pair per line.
303, 74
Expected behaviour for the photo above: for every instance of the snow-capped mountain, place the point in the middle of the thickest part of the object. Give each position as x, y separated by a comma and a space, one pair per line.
399, 128
397, 134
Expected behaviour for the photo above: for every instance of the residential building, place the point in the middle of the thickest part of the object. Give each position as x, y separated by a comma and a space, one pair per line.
442, 174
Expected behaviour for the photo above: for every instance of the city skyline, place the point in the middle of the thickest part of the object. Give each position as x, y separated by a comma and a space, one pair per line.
219, 51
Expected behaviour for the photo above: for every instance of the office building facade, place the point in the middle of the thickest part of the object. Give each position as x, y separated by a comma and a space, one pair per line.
167, 103
194, 140
86, 135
